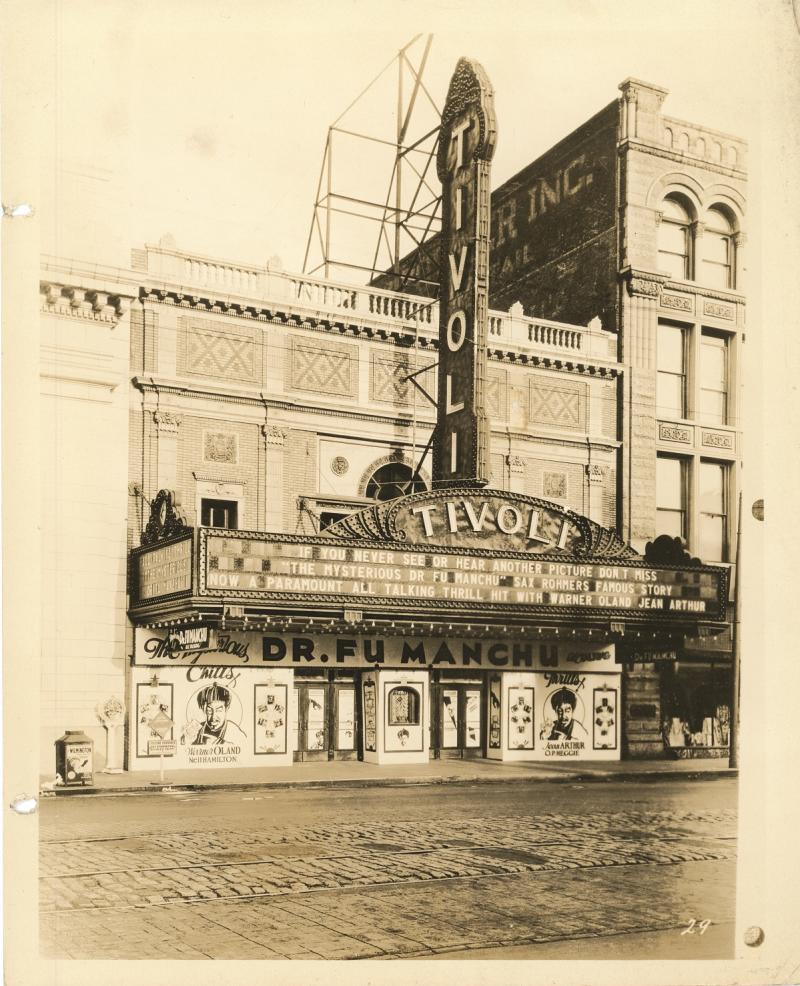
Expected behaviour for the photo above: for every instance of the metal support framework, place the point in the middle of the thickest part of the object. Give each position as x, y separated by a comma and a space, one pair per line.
410, 211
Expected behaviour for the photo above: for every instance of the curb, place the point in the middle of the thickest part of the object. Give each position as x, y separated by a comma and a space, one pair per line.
606, 777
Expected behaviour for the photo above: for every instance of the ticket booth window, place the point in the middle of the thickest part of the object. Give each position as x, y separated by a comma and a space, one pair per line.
403, 707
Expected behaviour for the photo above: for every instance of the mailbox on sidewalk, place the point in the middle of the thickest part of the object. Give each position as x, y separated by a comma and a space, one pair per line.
75, 758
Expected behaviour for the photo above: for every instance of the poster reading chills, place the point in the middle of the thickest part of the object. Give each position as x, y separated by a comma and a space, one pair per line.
578, 716
223, 717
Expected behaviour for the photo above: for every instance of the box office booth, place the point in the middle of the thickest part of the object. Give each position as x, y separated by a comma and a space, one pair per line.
403, 633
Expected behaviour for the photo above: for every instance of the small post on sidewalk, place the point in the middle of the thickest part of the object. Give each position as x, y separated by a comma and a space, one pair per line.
733, 756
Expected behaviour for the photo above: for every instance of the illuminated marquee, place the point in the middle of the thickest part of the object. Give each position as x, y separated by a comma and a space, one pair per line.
271, 568
466, 145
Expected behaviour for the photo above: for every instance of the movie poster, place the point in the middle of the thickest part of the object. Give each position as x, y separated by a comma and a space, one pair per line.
271, 718
520, 718
213, 729
150, 700
563, 730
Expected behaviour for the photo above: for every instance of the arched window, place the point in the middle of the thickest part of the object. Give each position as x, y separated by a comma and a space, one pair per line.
718, 250
392, 480
675, 240
403, 706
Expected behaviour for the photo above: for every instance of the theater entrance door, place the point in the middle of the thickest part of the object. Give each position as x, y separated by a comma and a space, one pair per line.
460, 721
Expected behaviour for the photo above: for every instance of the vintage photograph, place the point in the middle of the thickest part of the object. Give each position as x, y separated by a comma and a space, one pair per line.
396, 399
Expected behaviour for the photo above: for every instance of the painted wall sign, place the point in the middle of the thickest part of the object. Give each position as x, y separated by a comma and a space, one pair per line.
466, 145
164, 571
268, 567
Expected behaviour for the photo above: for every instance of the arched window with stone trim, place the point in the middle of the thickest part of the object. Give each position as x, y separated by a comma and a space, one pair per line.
393, 479
718, 266
675, 239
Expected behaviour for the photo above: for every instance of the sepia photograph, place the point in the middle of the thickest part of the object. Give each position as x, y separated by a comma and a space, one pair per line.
385, 572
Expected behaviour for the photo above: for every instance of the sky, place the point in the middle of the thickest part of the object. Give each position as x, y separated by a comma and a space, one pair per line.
207, 121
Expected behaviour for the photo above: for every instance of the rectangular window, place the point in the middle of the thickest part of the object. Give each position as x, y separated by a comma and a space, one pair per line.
713, 378
673, 250
219, 513
717, 256
671, 496
671, 376
713, 543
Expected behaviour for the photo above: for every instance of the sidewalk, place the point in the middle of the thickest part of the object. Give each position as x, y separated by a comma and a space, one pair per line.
354, 774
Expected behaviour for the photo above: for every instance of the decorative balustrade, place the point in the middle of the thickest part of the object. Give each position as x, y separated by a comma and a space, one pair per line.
366, 305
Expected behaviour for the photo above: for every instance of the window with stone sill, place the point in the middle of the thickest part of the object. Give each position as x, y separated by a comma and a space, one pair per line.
671, 371
671, 496
219, 513
713, 500
713, 397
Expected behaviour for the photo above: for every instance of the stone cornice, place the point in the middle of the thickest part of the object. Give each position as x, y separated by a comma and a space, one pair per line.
631, 144
69, 300
402, 336
159, 385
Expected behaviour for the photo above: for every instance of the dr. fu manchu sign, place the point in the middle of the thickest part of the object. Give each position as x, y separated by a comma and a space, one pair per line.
466, 145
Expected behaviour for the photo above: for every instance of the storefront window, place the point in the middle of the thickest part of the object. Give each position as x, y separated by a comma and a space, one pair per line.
403, 707
671, 496
695, 704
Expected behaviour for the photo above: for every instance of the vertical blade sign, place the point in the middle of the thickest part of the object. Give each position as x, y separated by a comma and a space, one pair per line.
466, 145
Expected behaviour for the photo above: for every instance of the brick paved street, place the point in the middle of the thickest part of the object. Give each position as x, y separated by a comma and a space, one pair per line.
376, 874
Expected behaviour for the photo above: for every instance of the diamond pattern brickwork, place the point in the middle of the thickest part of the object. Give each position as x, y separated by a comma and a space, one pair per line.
559, 403
219, 349
323, 367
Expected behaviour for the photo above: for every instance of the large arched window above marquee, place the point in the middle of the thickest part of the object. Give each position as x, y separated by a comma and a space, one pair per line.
718, 250
391, 480
675, 239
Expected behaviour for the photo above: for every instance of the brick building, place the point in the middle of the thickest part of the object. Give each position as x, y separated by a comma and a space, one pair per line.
637, 219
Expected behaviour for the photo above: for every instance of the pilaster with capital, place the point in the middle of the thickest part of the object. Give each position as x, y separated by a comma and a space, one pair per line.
274, 441
167, 424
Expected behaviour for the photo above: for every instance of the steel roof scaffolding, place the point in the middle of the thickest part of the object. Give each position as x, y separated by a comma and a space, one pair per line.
410, 210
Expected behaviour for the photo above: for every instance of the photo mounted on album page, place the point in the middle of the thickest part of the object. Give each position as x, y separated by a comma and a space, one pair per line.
398, 414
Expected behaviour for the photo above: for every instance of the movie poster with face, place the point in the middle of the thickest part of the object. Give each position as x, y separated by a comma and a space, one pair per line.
271, 718
564, 731
213, 730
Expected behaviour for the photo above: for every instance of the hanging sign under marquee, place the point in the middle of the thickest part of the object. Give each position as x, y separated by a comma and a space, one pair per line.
466, 144
254, 649
246, 566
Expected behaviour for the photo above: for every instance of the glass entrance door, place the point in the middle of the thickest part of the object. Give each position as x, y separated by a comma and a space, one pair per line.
460, 725
325, 726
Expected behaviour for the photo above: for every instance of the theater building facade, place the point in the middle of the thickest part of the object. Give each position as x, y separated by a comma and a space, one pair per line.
316, 569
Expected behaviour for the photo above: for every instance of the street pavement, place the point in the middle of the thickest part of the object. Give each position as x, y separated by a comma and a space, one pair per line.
502, 870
